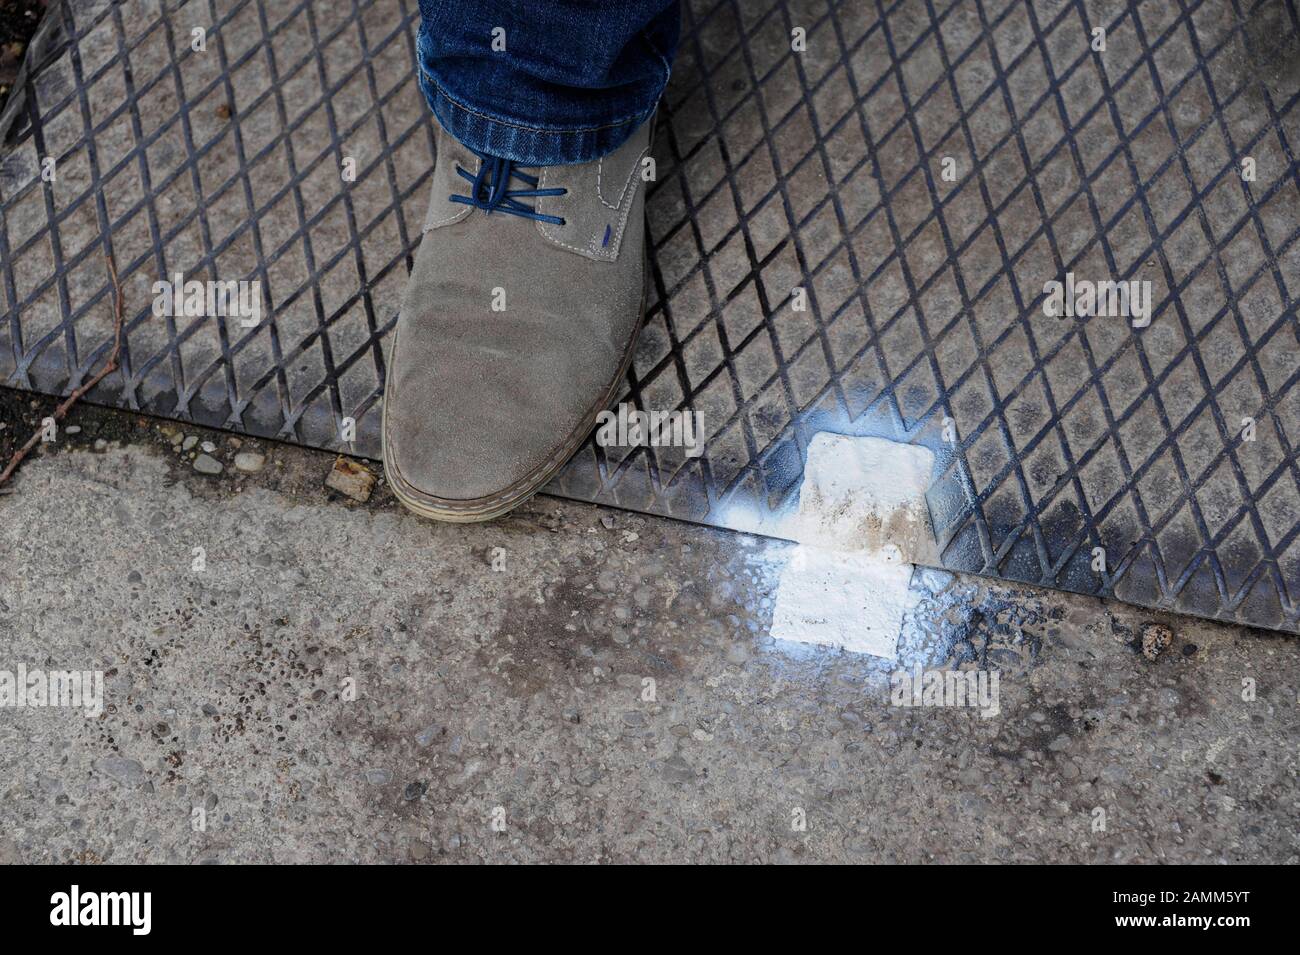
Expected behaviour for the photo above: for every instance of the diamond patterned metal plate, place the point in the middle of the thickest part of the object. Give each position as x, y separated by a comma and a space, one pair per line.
921, 169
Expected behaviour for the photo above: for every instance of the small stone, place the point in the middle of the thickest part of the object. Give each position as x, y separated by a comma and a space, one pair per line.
208, 447
249, 461
378, 777
935, 581
677, 770
72, 429
101, 445
206, 464
1155, 640
189, 442
351, 479
587, 777
608, 521
413, 791
119, 767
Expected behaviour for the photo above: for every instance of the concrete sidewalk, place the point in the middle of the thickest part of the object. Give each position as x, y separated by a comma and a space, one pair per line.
517, 698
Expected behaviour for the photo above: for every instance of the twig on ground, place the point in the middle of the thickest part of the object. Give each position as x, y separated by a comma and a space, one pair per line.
110, 366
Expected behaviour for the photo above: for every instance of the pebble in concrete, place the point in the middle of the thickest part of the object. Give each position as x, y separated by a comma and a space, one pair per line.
350, 478
1155, 639
249, 461
207, 464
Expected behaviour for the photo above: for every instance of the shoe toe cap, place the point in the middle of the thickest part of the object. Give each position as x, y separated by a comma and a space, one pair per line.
483, 403
467, 420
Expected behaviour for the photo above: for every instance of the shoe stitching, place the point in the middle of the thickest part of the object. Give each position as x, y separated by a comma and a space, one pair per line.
616, 240
445, 153
600, 172
429, 226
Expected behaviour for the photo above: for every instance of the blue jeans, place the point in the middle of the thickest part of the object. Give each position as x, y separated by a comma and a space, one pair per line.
545, 82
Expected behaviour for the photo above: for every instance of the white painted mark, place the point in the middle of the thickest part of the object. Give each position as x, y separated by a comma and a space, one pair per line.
851, 600
862, 518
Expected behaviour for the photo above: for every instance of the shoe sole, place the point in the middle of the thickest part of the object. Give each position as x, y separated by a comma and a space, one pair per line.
487, 508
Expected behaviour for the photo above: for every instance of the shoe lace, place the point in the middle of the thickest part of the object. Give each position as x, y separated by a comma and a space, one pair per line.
490, 189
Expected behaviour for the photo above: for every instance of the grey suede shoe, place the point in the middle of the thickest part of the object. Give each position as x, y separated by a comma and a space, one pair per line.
516, 328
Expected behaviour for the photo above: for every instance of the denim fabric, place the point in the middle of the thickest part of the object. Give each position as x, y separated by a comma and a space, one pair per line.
575, 79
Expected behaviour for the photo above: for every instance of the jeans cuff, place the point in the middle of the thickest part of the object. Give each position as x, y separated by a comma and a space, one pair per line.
526, 145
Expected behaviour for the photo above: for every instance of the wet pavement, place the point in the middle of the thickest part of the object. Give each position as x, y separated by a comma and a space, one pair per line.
344, 682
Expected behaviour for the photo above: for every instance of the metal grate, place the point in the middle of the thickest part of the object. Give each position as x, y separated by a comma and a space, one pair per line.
820, 169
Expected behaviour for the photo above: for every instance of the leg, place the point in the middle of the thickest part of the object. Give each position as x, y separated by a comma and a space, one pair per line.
548, 81
519, 319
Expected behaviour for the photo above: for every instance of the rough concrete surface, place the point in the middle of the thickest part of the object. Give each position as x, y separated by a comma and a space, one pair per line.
516, 696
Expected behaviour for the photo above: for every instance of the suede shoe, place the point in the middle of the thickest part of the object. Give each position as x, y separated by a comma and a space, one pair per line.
516, 327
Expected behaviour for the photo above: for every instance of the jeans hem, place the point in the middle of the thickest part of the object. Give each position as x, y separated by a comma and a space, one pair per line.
526, 145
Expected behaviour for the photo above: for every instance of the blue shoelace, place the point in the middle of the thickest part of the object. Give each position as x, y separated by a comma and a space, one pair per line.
490, 189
